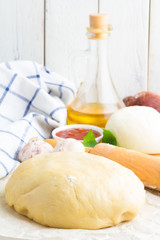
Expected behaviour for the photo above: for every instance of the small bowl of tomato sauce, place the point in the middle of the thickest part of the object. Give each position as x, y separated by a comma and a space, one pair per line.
77, 131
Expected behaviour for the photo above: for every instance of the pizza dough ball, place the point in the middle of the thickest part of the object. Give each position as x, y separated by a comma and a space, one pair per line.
136, 128
70, 190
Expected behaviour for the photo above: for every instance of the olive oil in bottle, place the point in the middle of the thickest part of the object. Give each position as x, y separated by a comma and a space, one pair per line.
91, 113
96, 98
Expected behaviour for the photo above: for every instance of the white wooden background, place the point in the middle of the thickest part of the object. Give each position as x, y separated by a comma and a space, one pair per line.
48, 31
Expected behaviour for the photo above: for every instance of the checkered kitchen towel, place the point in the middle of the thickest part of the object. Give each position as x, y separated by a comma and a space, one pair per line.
32, 102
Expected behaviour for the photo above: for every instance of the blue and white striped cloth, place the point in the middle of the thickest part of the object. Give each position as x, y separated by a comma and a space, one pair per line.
32, 102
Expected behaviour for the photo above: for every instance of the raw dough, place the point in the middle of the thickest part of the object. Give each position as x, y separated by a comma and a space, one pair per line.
70, 190
136, 128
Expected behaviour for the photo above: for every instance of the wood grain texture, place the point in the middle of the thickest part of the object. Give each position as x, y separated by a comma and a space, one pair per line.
22, 28
128, 52
66, 23
154, 47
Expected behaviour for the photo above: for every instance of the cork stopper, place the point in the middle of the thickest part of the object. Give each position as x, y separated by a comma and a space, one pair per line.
99, 21
99, 28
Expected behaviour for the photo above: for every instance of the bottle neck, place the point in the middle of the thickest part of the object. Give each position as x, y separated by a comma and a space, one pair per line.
99, 67
98, 49
97, 86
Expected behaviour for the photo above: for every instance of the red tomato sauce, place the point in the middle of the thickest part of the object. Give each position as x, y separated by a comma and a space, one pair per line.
76, 133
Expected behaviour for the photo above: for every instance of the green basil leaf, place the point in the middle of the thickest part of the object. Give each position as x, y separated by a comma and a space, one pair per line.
108, 137
89, 139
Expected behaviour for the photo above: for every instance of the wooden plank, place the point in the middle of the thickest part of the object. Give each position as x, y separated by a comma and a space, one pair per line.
66, 23
22, 30
128, 51
154, 47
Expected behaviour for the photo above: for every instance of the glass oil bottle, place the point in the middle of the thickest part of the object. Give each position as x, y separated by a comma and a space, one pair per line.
96, 97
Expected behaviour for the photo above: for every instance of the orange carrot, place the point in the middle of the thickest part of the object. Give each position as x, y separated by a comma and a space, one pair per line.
146, 167
52, 142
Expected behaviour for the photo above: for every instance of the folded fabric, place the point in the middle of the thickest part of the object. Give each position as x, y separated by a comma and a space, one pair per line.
32, 102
